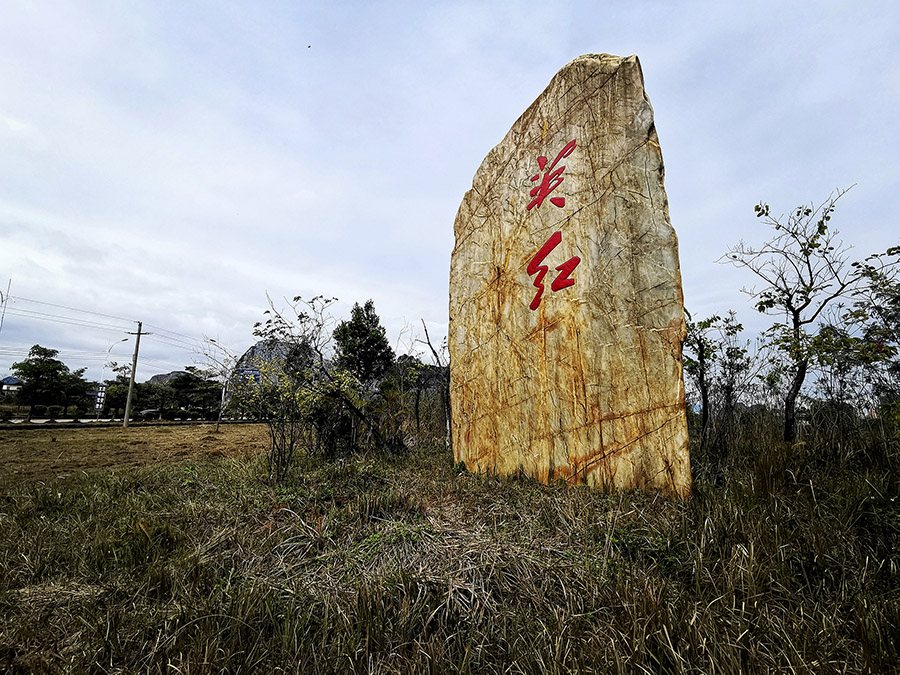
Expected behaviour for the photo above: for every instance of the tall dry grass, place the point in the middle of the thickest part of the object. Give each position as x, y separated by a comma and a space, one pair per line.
785, 559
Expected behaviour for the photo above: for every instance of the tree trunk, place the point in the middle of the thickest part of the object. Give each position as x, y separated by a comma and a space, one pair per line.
445, 396
704, 394
790, 402
385, 444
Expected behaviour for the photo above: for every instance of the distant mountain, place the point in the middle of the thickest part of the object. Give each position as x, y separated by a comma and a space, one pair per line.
167, 377
263, 351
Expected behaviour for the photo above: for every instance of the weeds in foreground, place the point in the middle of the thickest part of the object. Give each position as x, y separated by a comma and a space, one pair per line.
785, 562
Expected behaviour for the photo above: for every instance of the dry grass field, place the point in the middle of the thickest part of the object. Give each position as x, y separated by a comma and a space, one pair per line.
165, 550
30, 454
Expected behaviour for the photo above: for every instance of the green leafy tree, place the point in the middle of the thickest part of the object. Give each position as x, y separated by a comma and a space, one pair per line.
361, 345
306, 400
117, 392
152, 395
700, 351
46, 380
857, 355
804, 268
716, 360
409, 377
75, 391
878, 317
196, 390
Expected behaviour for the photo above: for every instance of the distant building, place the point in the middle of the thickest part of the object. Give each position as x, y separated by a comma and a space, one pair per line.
10, 385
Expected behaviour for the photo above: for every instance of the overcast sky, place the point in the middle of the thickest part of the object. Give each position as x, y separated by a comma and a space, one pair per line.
171, 162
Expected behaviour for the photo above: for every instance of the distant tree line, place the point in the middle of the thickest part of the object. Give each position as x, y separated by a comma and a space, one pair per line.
49, 388
48, 384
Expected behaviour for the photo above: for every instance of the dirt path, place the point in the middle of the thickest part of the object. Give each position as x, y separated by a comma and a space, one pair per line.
36, 454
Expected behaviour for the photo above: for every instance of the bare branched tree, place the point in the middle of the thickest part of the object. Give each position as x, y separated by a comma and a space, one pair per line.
804, 268
442, 363
219, 361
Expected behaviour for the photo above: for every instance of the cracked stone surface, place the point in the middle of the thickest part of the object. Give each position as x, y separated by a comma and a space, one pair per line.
582, 380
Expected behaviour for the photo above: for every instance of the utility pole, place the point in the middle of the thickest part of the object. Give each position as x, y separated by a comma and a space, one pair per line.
4, 300
137, 345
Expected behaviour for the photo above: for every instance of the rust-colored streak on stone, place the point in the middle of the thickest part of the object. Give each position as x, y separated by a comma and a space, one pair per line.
588, 386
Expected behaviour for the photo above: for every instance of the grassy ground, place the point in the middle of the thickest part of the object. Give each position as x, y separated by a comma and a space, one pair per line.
31, 454
194, 565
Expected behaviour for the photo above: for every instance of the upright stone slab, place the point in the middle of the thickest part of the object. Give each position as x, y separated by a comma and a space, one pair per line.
566, 311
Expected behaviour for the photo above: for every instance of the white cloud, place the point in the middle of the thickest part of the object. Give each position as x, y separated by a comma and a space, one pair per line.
171, 162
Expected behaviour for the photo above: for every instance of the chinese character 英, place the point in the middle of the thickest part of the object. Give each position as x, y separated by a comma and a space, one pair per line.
551, 180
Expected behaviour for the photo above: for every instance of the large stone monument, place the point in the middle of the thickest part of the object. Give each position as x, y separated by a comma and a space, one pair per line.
566, 311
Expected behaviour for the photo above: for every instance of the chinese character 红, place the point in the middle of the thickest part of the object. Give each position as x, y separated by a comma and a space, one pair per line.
562, 280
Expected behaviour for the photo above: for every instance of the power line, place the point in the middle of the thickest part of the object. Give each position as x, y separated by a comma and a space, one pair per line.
44, 316
187, 346
60, 355
94, 357
173, 339
73, 309
162, 364
165, 330
164, 336
72, 323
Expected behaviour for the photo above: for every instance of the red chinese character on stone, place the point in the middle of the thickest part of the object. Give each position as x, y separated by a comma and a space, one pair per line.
551, 180
562, 280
